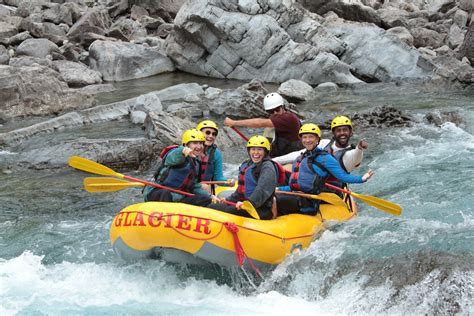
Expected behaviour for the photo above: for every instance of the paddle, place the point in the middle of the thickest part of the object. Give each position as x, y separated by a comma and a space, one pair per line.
240, 133
330, 198
381, 204
214, 182
96, 168
108, 184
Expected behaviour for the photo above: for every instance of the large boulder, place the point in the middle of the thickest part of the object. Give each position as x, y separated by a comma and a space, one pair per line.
370, 51
37, 90
249, 39
119, 61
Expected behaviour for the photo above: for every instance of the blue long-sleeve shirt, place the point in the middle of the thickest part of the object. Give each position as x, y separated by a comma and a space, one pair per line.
332, 165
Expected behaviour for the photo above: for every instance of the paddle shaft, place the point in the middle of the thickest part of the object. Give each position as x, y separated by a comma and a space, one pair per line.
240, 133
153, 184
337, 188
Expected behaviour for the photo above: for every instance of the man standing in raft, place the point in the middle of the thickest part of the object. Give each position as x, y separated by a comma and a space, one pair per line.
286, 125
309, 173
258, 178
180, 170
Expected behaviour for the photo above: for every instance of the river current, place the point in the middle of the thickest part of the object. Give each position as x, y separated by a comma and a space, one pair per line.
56, 258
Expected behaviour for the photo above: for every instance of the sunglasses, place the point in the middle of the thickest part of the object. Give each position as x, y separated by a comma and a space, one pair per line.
211, 133
274, 110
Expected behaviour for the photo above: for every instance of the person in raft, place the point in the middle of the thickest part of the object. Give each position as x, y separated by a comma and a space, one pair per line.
309, 173
348, 155
211, 158
258, 178
179, 170
286, 125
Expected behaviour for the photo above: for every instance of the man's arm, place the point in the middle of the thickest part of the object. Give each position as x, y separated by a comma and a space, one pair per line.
250, 123
288, 158
353, 158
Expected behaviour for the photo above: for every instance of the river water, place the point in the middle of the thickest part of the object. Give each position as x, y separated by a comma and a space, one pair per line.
56, 259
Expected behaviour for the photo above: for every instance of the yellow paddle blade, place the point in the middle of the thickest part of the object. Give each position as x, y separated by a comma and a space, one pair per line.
108, 184
381, 204
92, 167
249, 208
327, 197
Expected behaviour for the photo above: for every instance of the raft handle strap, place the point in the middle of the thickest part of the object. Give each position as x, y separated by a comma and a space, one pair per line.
239, 250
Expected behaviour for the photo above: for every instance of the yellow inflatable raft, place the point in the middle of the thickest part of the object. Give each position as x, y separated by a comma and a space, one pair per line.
185, 233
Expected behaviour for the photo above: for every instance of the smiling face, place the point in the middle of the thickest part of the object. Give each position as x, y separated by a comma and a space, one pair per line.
197, 147
309, 141
342, 134
256, 154
210, 134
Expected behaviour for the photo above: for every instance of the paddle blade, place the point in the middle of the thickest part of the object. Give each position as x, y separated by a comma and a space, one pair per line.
331, 198
107, 184
92, 167
381, 204
249, 208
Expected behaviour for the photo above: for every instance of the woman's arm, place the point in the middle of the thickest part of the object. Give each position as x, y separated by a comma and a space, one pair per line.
266, 185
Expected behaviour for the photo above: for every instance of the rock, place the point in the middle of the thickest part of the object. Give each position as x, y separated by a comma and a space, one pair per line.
137, 117
94, 21
47, 30
222, 40
295, 90
117, 153
402, 34
4, 55
352, 11
370, 52
383, 117
124, 61
7, 30
28, 61
34, 47
19, 38
327, 86
466, 5
460, 18
439, 118
77, 74
131, 29
427, 38
179, 92
455, 36
38, 90
467, 48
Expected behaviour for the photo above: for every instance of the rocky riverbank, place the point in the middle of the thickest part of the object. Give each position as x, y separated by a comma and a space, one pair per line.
56, 55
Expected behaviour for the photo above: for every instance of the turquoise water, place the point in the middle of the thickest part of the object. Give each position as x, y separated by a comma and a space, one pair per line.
56, 259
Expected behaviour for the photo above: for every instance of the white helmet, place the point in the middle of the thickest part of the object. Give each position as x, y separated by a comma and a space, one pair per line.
272, 101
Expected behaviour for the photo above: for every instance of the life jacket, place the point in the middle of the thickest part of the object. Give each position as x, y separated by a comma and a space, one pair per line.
339, 156
180, 176
207, 165
250, 172
304, 177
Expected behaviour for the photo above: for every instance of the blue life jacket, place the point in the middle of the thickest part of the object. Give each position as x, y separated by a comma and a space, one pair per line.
304, 177
180, 176
249, 173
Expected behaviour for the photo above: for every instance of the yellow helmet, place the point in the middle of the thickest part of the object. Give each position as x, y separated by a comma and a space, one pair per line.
259, 141
340, 121
309, 128
207, 124
192, 135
